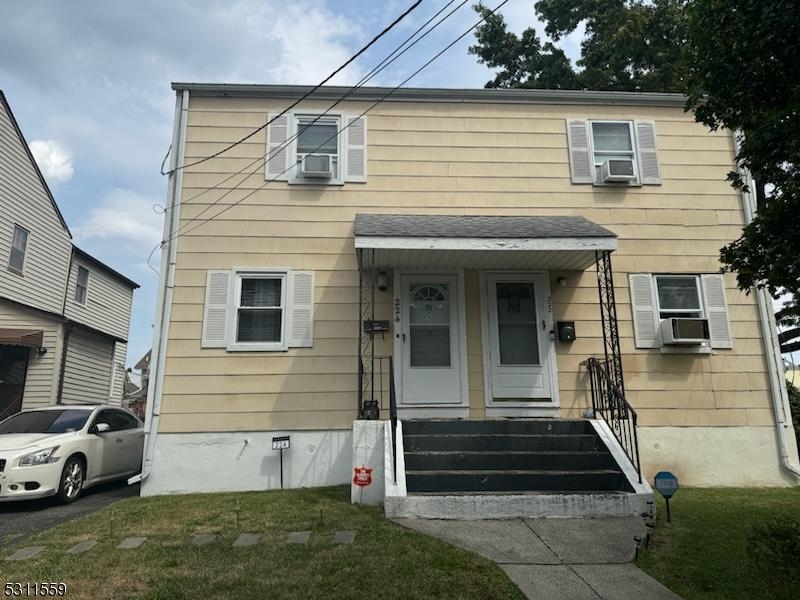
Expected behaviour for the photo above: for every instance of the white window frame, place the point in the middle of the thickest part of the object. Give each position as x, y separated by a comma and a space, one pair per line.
633, 154
687, 312
78, 286
233, 324
337, 160
23, 250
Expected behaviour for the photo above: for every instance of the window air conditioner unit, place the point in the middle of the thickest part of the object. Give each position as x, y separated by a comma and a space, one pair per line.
618, 170
317, 165
684, 331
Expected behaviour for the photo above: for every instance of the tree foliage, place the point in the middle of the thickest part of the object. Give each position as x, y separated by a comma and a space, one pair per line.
628, 45
737, 61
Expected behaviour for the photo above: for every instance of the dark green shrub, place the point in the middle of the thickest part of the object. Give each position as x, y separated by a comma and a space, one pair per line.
774, 548
794, 406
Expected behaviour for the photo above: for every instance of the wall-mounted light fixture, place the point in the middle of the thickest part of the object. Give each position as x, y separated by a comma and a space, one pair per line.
561, 281
41, 351
383, 281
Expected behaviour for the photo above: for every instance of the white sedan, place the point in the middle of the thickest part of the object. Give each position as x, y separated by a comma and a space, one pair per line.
62, 450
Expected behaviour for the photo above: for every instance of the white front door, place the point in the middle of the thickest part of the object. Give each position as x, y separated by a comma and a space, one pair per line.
519, 345
430, 340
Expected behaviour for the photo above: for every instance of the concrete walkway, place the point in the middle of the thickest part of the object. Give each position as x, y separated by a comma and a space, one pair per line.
562, 559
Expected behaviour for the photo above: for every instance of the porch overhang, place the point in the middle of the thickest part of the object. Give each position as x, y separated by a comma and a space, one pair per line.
21, 337
481, 242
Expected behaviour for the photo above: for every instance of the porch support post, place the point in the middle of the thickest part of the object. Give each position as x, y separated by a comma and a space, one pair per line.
608, 318
366, 349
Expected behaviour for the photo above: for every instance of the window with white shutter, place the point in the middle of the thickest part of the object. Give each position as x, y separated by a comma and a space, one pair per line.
614, 153
260, 309
697, 302
316, 149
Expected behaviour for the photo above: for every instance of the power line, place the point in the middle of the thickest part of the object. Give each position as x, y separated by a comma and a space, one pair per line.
268, 155
387, 61
376, 103
306, 95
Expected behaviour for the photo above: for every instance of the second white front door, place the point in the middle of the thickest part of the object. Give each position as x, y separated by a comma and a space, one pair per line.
519, 345
430, 340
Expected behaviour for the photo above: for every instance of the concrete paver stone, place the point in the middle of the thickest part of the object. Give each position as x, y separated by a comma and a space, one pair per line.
82, 547
25, 553
344, 537
247, 539
201, 539
131, 543
298, 537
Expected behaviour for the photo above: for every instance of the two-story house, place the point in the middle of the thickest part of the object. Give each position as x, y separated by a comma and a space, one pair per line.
442, 259
64, 315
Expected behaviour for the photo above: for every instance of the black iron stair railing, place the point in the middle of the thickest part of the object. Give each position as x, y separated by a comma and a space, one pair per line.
377, 393
608, 400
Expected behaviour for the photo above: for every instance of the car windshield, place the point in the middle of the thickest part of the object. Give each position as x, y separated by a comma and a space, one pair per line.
45, 421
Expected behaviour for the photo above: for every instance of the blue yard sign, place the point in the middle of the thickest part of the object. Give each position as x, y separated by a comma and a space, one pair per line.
666, 484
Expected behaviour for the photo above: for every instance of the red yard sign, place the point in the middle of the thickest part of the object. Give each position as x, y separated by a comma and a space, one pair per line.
362, 476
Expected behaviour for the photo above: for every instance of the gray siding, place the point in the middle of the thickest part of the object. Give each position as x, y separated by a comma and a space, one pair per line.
24, 201
108, 301
87, 369
120, 353
41, 381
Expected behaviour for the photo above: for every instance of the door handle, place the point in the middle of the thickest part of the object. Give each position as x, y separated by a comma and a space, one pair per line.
404, 338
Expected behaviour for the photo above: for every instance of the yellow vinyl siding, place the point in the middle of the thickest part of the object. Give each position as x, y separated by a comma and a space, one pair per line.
450, 159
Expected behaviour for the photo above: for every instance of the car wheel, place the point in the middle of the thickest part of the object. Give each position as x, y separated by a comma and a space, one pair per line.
71, 480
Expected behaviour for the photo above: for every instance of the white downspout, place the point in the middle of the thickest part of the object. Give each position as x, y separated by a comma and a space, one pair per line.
769, 332
166, 283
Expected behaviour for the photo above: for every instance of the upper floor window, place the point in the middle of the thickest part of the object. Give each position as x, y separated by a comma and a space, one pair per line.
613, 153
82, 285
316, 149
679, 296
19, 245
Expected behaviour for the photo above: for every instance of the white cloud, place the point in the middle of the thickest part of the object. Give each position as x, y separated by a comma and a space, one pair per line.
54, 160
122, 216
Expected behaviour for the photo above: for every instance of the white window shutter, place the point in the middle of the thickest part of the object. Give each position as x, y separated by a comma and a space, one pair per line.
644, 310
217, 309
278, 150
649, 172
581, 166
356, 161
716, 310
301, 310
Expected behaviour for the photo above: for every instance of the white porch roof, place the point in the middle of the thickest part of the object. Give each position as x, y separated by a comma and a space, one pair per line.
481, 242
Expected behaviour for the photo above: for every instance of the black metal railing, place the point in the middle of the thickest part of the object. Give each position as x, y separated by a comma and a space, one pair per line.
378, 394
608, 400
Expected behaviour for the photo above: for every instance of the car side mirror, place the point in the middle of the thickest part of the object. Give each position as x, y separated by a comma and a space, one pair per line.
100, 428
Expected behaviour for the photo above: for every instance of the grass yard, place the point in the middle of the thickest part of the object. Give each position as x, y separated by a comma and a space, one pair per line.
702, 553
385, 561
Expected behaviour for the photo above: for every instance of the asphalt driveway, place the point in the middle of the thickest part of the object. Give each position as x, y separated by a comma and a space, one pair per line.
23, 519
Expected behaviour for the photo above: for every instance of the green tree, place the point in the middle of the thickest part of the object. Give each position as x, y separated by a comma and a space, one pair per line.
737, 61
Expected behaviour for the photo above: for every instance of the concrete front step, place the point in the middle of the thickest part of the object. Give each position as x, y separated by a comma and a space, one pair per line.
481, 506
514, 460
497, 426
502, 442
506, 480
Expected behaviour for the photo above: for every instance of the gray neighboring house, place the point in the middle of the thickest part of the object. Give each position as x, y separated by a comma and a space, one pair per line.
64, 315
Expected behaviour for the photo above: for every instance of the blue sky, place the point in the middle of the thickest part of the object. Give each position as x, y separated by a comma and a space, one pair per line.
89, 83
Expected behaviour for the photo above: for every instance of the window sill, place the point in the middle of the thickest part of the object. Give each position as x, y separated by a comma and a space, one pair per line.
256, 347
16, 271
700, 349
323, 183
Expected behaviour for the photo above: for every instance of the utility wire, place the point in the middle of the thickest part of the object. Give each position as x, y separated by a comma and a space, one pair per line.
387, 61
376, 103
304, 96
261, 160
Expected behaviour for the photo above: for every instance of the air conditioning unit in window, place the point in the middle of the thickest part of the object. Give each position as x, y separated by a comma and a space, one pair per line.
317, 165
618, 170
679, 330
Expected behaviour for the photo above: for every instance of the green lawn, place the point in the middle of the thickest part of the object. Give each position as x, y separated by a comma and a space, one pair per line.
702, 553
385, 561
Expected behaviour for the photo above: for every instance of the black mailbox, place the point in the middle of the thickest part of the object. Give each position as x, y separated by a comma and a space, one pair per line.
566, 331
